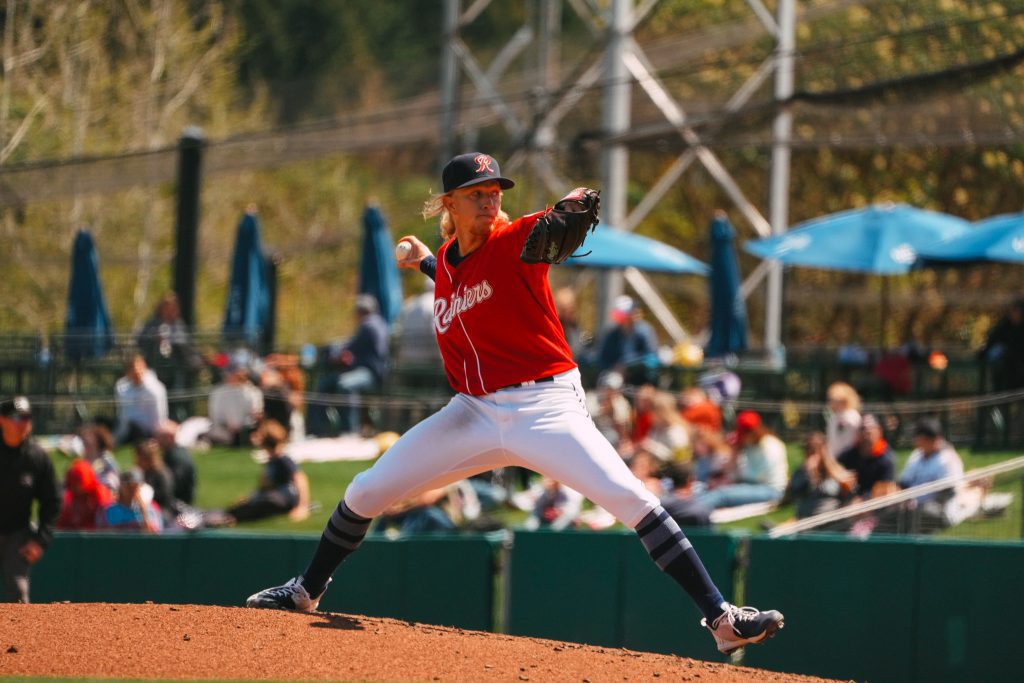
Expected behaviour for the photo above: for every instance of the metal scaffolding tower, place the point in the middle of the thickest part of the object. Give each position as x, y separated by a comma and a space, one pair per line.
621, 62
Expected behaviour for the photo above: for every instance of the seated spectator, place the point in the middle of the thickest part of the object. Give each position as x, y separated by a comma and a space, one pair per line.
150, 463
98, 451
178, 460
699, 410
870, 459
630, 346
669, 436
130, 511
932, 459
647, 468
611, 411
643, 412
759, 470
235, 407
843, 421
558, 507
84, 497
415, 340
680, 503
141, 402
277, 400
283, 488
425, 513
711, 457
820, 484
357, 366
568, 316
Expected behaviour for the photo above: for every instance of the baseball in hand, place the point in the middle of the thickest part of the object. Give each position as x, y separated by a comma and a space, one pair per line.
402, 250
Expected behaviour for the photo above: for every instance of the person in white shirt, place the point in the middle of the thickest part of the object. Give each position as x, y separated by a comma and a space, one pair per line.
761, 469
141, 402
843, 425
235, 407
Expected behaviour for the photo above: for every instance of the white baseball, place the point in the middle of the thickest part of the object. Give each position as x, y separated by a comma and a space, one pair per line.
402, 250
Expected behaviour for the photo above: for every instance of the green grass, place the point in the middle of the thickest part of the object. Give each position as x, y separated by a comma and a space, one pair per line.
227, 474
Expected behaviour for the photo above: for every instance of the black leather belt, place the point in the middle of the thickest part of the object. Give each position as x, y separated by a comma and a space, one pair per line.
550, 378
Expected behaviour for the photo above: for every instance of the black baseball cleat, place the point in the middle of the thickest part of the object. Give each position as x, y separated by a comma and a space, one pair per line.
291, 595
740, 626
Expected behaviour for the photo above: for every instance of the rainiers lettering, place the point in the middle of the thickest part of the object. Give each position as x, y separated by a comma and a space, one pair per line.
446, 309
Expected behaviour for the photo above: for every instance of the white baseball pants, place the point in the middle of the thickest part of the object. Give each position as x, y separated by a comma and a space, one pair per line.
544, 427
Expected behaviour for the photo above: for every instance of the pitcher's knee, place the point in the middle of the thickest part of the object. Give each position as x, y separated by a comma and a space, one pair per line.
367, 496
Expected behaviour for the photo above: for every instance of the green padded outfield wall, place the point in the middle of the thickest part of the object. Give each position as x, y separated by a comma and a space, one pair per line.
603, 589
436, 580
890, 610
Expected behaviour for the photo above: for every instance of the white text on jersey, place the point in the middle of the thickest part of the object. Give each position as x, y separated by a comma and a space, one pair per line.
445, 310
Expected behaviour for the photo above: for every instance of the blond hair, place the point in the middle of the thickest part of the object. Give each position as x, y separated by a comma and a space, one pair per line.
844, 393
434, 206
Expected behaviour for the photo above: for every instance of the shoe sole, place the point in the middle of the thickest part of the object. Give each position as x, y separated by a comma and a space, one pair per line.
769, 632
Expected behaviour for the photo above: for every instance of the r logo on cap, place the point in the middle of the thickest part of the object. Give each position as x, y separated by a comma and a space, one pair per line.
483, 163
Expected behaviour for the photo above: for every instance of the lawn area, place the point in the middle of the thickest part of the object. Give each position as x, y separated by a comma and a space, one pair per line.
226, 474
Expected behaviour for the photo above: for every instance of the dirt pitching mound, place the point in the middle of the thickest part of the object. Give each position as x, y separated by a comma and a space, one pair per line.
190, 641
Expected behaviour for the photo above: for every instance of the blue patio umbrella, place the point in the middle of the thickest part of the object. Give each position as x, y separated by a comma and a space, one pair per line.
378, 270
87, 321
611, 248
728, 311
882, 239
999, 238
247, 312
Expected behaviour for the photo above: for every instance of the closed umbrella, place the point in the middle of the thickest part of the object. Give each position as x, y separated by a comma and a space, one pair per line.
87, 321
611, 248
247, 311
728, 311
882, 239
999, 238
378, 270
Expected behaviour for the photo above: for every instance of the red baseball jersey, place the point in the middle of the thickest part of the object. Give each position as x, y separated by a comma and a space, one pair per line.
495, 317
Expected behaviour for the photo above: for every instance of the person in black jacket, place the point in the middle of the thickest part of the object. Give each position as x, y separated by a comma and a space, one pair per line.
26, 476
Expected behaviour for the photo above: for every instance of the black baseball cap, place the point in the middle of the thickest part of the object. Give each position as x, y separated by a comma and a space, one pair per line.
471, 169
16, 407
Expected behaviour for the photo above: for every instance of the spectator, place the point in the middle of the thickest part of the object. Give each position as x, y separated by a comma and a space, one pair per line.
178, 461
643, 412
150, 463
699, 410
711, 456
235, 407
277, 398
568, 316
26, 478
669, 437
421, 514
870, 458
166, 344
283, 488
84, 497
933, 458
819, 484
647, 468
630, 346
760, 469
130, 511
413, 331
557, 508
680, 503
362, 364
1004, 348
98, 451
844, 417
141, 402
611, 411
